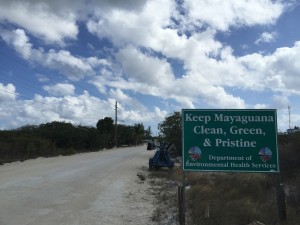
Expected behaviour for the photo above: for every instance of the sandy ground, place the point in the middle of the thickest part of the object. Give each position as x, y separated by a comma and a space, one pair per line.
86, 189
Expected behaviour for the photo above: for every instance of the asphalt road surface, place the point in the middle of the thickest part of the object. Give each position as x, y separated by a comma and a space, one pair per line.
84, 189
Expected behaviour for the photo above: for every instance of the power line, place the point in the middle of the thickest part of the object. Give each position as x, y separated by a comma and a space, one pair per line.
47, 104
21, 96
30, 59
35, 61
27, 85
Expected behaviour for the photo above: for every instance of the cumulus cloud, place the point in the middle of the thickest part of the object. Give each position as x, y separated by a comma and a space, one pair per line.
138, 28
7, 92
147, 39
284, 63
280, 101
130, 5
266, 37
211, 66
126, 100
221, 15
278, 71
18, 40
143, 68
221, 68
73, 67
83, 109
40, 20
55, 21
61, 89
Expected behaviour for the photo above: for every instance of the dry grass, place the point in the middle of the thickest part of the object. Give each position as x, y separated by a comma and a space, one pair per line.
220, 198
238, 198
228, 199
164, 184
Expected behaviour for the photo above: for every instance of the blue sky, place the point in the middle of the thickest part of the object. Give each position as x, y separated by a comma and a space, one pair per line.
71, 60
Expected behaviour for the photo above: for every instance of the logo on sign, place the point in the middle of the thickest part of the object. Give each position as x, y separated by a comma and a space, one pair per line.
265, 154
194, 153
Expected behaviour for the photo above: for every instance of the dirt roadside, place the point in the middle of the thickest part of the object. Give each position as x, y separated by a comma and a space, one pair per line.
108, 187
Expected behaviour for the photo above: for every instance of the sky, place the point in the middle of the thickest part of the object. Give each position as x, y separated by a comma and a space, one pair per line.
72, 60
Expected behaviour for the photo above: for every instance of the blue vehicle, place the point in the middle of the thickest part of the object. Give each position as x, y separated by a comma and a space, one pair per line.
151, 145
162, 157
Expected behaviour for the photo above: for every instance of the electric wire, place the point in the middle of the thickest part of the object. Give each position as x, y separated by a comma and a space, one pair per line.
35, 60
20, 53
40, 102
20, 61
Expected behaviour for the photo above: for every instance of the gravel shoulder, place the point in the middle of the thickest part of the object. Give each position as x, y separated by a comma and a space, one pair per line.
103, 187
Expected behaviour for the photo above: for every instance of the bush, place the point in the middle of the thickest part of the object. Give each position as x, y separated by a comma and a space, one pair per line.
289, 154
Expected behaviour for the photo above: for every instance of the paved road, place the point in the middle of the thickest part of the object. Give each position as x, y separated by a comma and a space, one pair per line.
84, 189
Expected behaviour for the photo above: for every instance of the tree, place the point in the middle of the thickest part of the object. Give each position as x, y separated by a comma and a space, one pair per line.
171, 130
148, 133
106, 125
59, 133
126, 135
139, 132
106, 128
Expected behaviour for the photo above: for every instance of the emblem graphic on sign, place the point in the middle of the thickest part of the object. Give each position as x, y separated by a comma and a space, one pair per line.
265, 154
195, 153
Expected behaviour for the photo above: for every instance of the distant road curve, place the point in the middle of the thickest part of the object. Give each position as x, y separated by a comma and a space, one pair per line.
85, 189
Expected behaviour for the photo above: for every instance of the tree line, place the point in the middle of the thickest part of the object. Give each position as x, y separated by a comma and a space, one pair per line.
63, 138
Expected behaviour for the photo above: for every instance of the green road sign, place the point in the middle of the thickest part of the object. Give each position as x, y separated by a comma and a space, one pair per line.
230, 140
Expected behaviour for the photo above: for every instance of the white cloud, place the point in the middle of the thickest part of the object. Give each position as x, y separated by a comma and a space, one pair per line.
131, 5
55, 21
18, 40
285, 63
7, 93
266, 37
144, 39
261, 106
143, 68
161, 114
126, 100
61, 89
221, 15
83, 109
281, 101
277, 72
74, 67
133, 27
42, 78
218, 98
103, 79
150, 75
40, 19
199, 52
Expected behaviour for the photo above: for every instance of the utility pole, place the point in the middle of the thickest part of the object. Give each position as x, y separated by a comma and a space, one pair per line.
116, 124
289, 108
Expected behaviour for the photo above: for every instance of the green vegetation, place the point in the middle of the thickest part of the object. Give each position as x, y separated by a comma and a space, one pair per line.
170, 130
62, 138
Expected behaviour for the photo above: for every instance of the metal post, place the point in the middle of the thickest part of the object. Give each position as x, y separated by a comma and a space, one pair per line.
280, 199
183, 197
180, 212
116, 125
